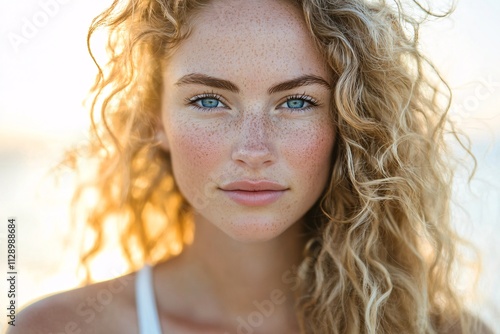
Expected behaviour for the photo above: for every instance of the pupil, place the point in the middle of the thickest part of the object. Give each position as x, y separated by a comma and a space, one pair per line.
209, 103
295, 103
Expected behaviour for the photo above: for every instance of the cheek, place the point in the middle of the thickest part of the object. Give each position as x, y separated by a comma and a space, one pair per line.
195, 151
309, 153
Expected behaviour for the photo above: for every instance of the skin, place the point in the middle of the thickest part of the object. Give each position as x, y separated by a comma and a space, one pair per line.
240, 254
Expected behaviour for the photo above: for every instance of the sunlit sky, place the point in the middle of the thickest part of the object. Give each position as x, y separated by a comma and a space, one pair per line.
45, 73
45, 77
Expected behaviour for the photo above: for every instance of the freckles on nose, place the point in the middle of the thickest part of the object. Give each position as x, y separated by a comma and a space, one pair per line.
256, 128
254, 139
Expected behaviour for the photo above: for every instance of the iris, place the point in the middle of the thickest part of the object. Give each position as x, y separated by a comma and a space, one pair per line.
209, 103
295, 103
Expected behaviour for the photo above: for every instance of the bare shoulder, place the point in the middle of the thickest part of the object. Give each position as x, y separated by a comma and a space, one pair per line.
105, 307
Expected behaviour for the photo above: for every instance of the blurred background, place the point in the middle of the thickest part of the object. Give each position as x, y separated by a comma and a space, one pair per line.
45, 73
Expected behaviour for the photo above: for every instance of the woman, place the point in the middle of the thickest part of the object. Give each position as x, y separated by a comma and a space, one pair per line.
273, 167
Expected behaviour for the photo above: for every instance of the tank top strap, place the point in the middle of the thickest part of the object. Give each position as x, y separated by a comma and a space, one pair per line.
147, 313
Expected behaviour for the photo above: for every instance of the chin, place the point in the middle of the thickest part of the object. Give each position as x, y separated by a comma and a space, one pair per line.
255, 231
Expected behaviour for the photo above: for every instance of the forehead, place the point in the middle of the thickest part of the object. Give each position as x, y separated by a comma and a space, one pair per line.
263, 38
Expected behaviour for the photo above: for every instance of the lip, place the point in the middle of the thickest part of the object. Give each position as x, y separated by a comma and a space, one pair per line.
249, 185
254, 193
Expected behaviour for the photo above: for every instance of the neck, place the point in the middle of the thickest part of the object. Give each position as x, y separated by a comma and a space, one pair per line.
234, 279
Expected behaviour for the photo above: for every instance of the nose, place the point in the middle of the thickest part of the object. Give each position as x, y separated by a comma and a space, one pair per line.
254, 146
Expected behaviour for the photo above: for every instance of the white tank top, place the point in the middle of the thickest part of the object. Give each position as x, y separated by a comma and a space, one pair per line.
147, 314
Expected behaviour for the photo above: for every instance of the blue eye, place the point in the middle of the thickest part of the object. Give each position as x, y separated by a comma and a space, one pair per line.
209, 103
206, 101
295, 103
299, 102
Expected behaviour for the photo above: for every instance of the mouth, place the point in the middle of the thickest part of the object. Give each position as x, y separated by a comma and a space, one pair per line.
258, 185
254, 192
254, 197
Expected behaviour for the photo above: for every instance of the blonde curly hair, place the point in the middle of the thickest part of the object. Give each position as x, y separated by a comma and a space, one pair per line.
381, 250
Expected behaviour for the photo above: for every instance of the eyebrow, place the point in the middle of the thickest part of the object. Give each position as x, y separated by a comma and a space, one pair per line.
202, 79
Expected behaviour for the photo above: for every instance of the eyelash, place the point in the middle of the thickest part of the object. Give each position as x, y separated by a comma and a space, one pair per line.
211, 95
207, 95
309, 99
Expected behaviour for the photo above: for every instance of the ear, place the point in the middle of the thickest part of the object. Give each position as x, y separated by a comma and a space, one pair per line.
161, 138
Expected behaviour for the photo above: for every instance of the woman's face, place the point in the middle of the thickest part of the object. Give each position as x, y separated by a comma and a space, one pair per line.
246, 98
